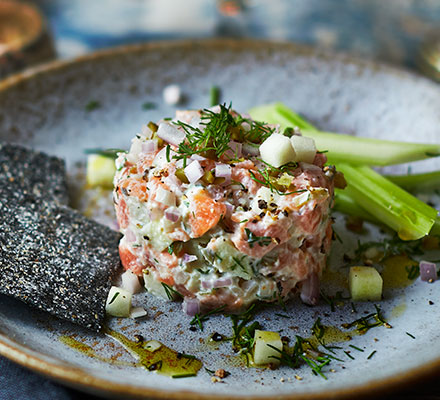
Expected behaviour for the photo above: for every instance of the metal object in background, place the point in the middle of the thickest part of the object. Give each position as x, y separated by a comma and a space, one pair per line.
24, 37
428, 60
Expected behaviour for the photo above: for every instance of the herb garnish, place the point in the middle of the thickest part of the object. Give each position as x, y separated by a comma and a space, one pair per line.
149, 105
372, 320
254, 239
200, 318
92, 105
114, 297
214, 94
170, 292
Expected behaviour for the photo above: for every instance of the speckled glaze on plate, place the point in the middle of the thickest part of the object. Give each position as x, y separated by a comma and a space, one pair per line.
46, 109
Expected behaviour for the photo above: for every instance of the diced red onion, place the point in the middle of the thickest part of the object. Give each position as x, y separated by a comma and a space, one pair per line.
251, 150
223, 171
149, 146
218, 283
172, 214
310, 290
194, 171
206, 284
170, 134
222, 282
130, 282
428, 271
234, 150
190, 306
187, 258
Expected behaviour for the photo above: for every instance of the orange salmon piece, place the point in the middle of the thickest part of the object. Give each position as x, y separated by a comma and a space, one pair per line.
206, 213
137, 188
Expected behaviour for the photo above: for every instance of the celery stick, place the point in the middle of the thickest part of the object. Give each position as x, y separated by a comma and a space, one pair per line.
346, 148
423, 181
345, 204
408, 216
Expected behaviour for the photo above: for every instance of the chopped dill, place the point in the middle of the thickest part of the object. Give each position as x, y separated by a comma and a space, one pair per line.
367, 322
170, 292
200, 318
254, 239
411, 336
413, 271
183, 376
92, 105
371, 355
114, 297
148, 105
349, 355
356, 348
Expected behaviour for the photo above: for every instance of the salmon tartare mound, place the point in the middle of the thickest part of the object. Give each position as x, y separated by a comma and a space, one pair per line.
224, 211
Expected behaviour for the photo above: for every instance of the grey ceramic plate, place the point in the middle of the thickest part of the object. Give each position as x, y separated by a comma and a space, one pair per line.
46, 109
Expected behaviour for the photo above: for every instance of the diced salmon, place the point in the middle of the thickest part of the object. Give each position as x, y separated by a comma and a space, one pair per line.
130, 260
205, 213
122, 213
135, 187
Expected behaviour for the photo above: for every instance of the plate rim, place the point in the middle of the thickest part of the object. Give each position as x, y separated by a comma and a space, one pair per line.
77, 377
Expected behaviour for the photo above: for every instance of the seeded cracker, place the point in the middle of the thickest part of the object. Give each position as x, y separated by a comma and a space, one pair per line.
51, 256
35, 172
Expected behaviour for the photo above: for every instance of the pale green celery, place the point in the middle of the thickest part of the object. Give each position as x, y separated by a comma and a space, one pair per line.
393, 206
346, 148
346, 205
424, 181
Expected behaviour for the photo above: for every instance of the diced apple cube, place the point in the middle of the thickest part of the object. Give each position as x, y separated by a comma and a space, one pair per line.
263, 353
100, 171
118, 302
130, 282
304, 147
277, 150
365, 284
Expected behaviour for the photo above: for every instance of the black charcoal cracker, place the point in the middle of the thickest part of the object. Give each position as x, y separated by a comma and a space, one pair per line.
35, 172
54, 258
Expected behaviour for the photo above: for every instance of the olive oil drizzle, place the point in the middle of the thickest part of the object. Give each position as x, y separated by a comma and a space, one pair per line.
162, 360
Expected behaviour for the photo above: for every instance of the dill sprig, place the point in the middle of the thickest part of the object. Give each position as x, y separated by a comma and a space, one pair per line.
242, 334
253, 239
214, 138
304, 352
369, 321
200, 318
170, 292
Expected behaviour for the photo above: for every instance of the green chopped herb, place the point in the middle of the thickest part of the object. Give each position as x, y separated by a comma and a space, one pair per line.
209, 371
92, 105
372, 320
411, 336
170, 292
413, 271
356, 348
371, 355
114, 297
200, 318
260, 240
349, 355
282, 315
149, 105
214, 94
183, 376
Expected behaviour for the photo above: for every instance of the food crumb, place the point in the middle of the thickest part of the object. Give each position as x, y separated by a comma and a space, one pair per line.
298, 378
282, 380
215, 379
221, 373
430, 302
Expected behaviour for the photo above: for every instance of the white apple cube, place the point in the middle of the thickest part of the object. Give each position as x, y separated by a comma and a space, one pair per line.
130, 282
263, 353
305, 148
365, 284
118, 302
100, 171
277, 150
